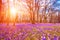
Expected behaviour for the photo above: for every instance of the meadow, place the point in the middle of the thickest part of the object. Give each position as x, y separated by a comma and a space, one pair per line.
30, 32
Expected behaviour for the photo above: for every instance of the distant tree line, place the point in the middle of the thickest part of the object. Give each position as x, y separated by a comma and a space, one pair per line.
40, 12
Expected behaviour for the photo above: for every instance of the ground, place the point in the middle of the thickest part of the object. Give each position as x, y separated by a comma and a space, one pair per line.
29, 31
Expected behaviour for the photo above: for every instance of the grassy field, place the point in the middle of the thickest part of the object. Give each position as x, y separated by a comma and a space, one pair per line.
30, 32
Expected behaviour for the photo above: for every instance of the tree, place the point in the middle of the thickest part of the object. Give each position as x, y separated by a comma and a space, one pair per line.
0, 10
30, 4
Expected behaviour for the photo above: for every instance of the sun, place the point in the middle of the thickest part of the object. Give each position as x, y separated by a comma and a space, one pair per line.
13, 11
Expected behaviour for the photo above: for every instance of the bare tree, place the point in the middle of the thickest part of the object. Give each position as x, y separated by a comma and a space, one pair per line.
30, 4
0, 10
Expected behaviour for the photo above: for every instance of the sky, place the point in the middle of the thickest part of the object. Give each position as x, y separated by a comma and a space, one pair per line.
56, 5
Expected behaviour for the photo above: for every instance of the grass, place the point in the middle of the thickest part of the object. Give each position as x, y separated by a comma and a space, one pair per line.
28, 32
